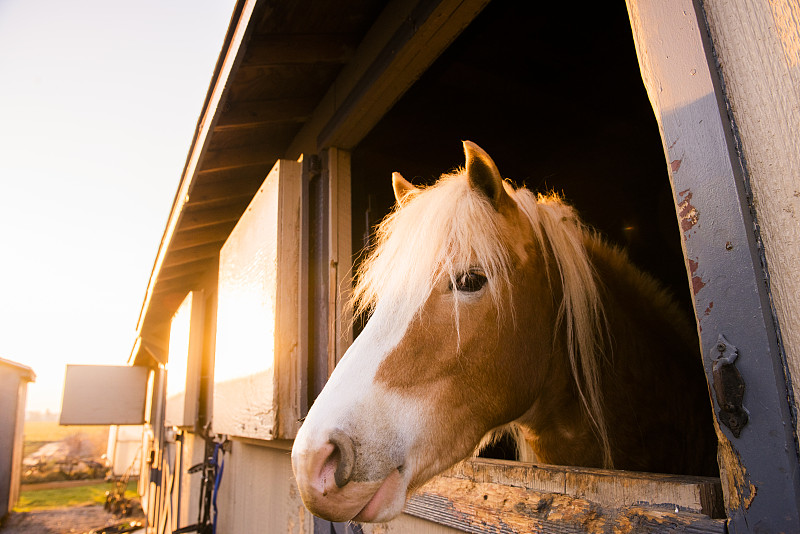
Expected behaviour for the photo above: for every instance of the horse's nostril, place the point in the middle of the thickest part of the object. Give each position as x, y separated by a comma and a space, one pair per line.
344, 448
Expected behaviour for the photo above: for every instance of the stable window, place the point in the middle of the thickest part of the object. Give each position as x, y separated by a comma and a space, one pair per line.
718, 249
559, 107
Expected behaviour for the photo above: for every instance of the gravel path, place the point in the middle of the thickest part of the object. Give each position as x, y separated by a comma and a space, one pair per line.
74, 520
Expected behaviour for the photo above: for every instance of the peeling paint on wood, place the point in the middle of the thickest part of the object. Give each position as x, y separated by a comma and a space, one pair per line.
687, 213
681, 69
697, 282
739, 490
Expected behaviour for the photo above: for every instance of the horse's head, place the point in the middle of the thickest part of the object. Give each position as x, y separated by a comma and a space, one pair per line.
439, 363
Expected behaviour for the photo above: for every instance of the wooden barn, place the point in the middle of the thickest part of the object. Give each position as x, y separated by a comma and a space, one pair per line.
671, 125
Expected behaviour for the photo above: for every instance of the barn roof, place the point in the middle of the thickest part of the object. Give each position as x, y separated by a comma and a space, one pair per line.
277, 62
291, 76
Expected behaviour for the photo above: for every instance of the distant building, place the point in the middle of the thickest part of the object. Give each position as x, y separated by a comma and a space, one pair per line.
14, 378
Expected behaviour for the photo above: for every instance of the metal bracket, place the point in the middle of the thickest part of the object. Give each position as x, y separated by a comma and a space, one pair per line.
729, 387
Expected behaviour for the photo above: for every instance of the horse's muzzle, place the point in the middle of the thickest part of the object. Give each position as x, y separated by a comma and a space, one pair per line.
324, 474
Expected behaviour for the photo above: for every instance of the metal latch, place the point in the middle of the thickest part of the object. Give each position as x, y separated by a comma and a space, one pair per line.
729, 387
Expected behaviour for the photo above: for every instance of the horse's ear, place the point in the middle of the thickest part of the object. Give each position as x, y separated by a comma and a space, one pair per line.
402, 187
483, 175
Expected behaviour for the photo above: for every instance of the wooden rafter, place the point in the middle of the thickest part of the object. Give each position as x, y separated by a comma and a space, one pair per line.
201, 236
291, 110
299, 49
201, 218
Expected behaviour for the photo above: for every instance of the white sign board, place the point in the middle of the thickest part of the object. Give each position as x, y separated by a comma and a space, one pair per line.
104, 395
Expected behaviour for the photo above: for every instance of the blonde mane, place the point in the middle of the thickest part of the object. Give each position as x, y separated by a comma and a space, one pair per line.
442, 230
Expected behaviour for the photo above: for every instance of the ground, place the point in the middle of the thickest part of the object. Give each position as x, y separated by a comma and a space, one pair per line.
72, 520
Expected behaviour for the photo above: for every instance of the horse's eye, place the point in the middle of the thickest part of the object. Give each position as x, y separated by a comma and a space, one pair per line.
469, 282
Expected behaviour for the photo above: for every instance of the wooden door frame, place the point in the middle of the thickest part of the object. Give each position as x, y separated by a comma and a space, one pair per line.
758, 461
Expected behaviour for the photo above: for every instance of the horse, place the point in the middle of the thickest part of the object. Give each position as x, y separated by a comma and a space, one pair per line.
494, 307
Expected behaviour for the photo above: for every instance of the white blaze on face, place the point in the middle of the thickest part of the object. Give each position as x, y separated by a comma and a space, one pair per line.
381, 424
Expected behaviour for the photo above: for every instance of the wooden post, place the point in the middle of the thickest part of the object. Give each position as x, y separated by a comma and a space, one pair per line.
759, 465
340, 319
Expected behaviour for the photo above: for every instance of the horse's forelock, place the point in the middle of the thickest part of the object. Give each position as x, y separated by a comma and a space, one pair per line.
437, 233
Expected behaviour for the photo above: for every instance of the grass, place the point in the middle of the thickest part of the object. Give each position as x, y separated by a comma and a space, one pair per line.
44, 499
46, 431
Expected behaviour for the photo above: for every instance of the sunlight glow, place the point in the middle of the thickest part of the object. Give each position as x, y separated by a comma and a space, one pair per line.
245, 330
179, 347
99, 102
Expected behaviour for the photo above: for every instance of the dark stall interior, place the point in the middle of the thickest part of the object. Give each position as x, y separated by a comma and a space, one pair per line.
555, 96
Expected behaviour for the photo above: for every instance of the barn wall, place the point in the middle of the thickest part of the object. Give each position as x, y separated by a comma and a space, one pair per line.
192, 452
757, 43
258, 492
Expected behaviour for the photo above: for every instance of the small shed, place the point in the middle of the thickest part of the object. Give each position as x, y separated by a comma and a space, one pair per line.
123, 452
14, 378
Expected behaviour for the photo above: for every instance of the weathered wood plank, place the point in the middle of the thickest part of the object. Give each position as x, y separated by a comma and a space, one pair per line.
482, 507
290, 365
607, 488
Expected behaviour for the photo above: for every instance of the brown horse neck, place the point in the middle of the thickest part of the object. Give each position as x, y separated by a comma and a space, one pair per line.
650, 348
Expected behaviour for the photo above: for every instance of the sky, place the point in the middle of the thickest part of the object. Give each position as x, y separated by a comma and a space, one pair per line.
99, 100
